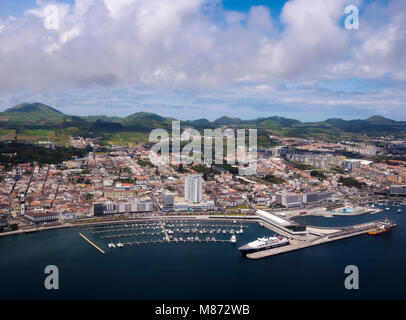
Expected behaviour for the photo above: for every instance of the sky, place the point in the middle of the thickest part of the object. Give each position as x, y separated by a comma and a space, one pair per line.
192, 59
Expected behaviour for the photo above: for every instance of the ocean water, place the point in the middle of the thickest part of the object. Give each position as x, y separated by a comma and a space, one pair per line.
205, 270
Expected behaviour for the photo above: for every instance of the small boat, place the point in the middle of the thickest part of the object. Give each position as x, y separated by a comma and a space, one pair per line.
112, 245
380, 229
386, 208
233, 239
399, 210
120, 245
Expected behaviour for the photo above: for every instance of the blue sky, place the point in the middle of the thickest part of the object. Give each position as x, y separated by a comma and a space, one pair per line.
275, 6
16, 7
109, 57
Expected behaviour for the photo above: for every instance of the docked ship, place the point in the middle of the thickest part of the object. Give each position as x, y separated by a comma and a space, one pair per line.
264, 244
384, 227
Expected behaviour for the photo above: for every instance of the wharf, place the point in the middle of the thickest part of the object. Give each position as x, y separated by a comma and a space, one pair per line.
312, 240
130, 235
165, 232
133, 243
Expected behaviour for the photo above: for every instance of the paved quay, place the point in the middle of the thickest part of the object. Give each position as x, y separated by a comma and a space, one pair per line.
297, 243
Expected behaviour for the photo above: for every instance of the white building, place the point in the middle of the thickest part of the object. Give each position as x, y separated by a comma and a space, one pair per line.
289, 199
193, 188
398, 190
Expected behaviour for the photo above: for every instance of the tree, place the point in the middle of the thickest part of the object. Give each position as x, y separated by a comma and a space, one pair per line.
317, 174
351, 182
89, 196
272, 179
181, 169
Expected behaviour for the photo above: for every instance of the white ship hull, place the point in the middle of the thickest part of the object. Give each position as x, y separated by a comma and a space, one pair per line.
264, 244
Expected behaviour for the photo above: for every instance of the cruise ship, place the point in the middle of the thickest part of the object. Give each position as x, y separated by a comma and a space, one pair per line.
264, 244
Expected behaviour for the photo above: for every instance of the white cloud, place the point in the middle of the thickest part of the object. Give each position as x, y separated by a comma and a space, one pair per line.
196, 45
167, 42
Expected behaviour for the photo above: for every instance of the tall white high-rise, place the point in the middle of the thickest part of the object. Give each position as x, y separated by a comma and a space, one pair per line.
22, 204
193, 188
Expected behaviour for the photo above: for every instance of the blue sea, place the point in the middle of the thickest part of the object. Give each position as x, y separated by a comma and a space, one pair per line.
204, 270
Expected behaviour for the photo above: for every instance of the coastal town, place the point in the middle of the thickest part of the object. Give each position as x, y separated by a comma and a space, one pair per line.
202, 158
121, 183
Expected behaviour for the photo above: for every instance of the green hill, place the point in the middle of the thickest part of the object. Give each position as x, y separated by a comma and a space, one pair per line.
36, 121
379, 120
32, 111
224, 120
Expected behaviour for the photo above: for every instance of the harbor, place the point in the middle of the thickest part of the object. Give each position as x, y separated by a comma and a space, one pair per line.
225, 230
170, 230
323, 236
159, 268
301, 237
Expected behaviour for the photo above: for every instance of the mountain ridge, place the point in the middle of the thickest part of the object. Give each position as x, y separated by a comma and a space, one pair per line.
28, 118
38, 107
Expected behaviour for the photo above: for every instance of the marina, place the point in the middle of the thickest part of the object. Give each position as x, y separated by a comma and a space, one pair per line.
176, 231
169, 231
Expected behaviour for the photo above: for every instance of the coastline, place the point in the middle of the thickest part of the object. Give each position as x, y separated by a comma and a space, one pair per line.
139, 219
289, 215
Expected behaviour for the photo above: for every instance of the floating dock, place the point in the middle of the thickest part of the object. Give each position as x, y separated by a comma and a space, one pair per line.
133, 243
94, 245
